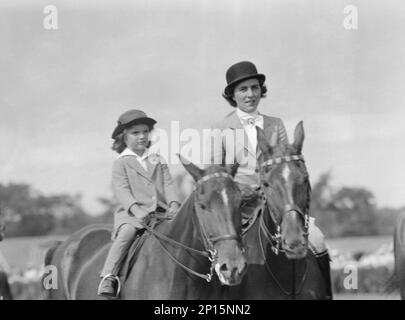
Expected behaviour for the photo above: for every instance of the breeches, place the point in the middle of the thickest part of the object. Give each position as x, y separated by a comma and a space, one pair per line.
119, 248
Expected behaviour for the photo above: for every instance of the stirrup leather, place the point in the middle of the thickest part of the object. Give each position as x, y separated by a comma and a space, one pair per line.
112, 276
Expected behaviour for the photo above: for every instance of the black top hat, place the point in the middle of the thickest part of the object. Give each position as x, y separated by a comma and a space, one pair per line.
239, 72
130, 118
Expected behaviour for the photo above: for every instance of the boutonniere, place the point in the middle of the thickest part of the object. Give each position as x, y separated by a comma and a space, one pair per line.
154, 159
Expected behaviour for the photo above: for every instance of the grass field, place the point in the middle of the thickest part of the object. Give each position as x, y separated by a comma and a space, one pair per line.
23, 252
19, 252
366, 296
359, 244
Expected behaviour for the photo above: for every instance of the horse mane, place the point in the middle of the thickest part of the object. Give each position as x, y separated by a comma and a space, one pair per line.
183, 218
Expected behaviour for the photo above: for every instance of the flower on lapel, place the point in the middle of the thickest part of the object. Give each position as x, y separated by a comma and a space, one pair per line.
154, 158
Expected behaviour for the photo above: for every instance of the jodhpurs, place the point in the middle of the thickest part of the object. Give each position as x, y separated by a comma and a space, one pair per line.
119, 248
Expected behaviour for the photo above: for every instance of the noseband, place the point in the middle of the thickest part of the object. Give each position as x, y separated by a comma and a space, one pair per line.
275, 239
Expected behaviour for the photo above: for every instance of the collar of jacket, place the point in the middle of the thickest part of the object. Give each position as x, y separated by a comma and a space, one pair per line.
151, 161
235, 123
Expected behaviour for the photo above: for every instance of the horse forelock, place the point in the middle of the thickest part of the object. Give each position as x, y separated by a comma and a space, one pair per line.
218, 183
289, 172
214, 168
284, 149
220, 198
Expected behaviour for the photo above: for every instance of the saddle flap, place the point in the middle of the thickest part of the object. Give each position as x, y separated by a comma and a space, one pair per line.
134, 249
132, 254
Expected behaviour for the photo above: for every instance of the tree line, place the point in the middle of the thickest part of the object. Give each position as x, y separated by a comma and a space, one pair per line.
339, 212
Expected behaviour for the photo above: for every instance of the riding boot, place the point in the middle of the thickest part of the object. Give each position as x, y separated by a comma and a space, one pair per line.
109, 286
324, 266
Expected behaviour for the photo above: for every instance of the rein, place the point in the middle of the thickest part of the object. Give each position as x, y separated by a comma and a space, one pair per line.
269, 237
210, 252
275, 239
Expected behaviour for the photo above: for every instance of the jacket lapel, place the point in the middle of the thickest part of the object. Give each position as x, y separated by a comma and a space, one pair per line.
234, 123
138, 167
151, 165
268, 133
269, 130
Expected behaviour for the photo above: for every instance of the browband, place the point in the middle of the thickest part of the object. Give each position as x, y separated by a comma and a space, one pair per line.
283, 159
214, 175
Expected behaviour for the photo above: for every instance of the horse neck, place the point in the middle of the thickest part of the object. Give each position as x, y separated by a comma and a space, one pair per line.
183, 228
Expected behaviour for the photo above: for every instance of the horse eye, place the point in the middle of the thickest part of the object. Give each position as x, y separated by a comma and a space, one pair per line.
202, 206
266, 184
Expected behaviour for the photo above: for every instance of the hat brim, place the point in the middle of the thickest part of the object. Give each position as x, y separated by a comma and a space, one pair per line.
145, 120
229, 88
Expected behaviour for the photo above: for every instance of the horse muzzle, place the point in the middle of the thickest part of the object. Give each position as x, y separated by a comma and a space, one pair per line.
297, 249
231, 268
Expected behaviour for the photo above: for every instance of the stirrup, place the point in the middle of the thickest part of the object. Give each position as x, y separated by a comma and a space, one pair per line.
112, 276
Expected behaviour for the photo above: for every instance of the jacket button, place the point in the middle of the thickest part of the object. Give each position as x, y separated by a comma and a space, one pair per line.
256, 170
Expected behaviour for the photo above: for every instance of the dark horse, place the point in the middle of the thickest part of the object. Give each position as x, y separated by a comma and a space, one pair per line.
399, 254
280, 266
177, 259
5, 292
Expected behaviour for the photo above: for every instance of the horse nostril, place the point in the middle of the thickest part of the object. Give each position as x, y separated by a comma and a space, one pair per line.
223, 268
292, 245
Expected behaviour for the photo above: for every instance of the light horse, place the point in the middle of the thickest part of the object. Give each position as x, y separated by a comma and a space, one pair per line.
280, 266
5, 291
178, 258
399, 254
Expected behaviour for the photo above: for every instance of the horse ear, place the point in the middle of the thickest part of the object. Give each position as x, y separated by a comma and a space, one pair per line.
263, 144
232, 168
191, 168
299, 136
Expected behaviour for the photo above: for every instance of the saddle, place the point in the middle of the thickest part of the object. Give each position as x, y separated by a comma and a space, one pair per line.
252, 203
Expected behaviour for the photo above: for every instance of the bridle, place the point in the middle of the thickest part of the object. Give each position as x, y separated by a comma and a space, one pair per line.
208, 241
275, 239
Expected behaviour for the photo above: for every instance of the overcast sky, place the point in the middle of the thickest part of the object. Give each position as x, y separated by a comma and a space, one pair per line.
61, 91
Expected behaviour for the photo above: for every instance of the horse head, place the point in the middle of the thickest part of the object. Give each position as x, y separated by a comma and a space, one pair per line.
217, 200
286, 187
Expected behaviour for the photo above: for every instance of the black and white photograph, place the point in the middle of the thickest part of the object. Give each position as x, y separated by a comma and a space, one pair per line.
216, 152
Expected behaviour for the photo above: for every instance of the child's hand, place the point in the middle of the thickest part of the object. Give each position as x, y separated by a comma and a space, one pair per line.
173, 208
138, 213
